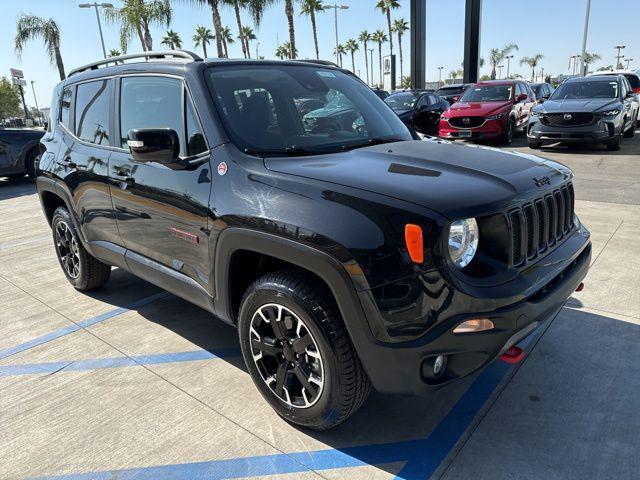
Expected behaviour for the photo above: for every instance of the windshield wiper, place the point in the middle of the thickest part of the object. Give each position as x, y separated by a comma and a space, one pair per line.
372, 141
292, 151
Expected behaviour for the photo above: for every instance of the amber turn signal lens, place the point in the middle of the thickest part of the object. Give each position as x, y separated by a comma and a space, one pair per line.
413, 240
474, 325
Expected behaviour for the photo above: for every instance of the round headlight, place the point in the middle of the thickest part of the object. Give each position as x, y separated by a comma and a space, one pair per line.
463, 241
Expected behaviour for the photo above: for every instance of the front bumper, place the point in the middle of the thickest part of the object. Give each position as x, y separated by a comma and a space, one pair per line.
489, 130
600, 132
401, 367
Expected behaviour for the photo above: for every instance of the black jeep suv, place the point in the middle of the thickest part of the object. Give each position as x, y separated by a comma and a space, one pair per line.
348, 255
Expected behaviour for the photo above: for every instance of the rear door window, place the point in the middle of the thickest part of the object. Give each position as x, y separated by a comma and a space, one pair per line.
93, 101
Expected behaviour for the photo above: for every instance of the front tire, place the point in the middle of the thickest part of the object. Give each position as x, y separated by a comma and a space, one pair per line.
298, 352
507, 136
30, 162
82, 270
615, 144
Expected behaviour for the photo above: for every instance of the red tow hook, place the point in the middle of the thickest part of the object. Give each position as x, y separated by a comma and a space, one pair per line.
580, 287
512, 355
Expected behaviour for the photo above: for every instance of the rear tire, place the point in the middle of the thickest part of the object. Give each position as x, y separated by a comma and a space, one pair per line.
82, 270
280, 314
30, 162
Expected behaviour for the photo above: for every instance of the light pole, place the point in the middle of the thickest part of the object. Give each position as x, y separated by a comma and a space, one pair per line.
500, 71
575, 63
96, 5
584, 37
628, 60
35, 100
618, 56
335, 8
440, 76
371, 63
508, 57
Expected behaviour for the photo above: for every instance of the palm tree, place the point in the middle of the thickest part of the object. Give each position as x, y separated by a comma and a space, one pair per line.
203, 36
400, 26
288, 10
138, 16
590, 58
455, 74
365, 37
227, 38
309, 8
405, 82
282, 52
217, 23
248, 35
495, 57
114, 53
532, 62
237, 5
172, 40
379, 37
340, 51
385, 6
30, 27
352, 46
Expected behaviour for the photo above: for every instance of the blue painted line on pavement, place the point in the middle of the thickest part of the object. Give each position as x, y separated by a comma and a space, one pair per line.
422, 456
7, 352
117, 362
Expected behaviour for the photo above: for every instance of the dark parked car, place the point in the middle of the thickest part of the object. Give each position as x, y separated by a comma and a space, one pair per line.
382, 94
490, 110
347, 259
542, 91
451, 93
591, 109
418, 109
19, 149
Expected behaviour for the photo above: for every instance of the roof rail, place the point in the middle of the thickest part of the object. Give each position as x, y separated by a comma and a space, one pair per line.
146, 55
318, 62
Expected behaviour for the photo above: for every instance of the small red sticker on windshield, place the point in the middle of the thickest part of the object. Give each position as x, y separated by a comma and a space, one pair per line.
222, 168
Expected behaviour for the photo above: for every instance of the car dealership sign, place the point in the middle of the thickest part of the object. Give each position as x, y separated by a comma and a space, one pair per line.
389, 73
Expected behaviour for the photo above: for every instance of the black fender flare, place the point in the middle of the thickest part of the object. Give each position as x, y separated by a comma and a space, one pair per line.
330, 270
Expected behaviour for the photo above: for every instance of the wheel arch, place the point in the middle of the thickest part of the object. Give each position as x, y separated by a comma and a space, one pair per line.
235, 241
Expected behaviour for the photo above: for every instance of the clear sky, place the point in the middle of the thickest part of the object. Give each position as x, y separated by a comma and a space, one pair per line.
551, 27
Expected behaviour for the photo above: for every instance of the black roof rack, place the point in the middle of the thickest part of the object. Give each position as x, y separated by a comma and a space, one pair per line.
160, 54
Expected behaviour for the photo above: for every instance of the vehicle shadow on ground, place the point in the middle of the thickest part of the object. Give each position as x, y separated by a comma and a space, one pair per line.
17, 187
571, 411
386, 432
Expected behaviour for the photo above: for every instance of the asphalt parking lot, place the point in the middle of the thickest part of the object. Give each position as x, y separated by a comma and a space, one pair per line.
131, 382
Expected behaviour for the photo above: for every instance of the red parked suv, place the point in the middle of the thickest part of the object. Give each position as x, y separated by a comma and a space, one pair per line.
490, 110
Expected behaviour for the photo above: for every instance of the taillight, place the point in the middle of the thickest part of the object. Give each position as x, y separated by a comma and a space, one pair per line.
636, 90
414, 241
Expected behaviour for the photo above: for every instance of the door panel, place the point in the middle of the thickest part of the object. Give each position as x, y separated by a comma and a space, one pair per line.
161, 213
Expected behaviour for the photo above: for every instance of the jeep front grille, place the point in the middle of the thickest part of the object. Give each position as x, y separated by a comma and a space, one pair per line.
538, 226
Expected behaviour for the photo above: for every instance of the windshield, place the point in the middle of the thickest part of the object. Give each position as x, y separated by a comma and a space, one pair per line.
586, 89
450, 90
400, 102
487, 93
299, 110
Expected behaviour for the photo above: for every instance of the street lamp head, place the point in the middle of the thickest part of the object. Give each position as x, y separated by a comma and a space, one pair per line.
344, 7
107, 5
85, 5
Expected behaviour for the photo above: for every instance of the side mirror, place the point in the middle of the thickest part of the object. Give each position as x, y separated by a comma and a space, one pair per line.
522, 97
160, 145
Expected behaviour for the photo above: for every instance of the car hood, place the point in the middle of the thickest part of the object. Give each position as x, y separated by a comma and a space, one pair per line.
456, 180
553, 106
477, 109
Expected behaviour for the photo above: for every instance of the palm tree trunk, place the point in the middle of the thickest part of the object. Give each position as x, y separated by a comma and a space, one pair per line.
246, 44
59, 63
315, 33
141, 37
236, 6
380, 61
353, 62
390, 32
147, 37
288, 10
204, 48
217, 26
366, 61
533, 72
400, 49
